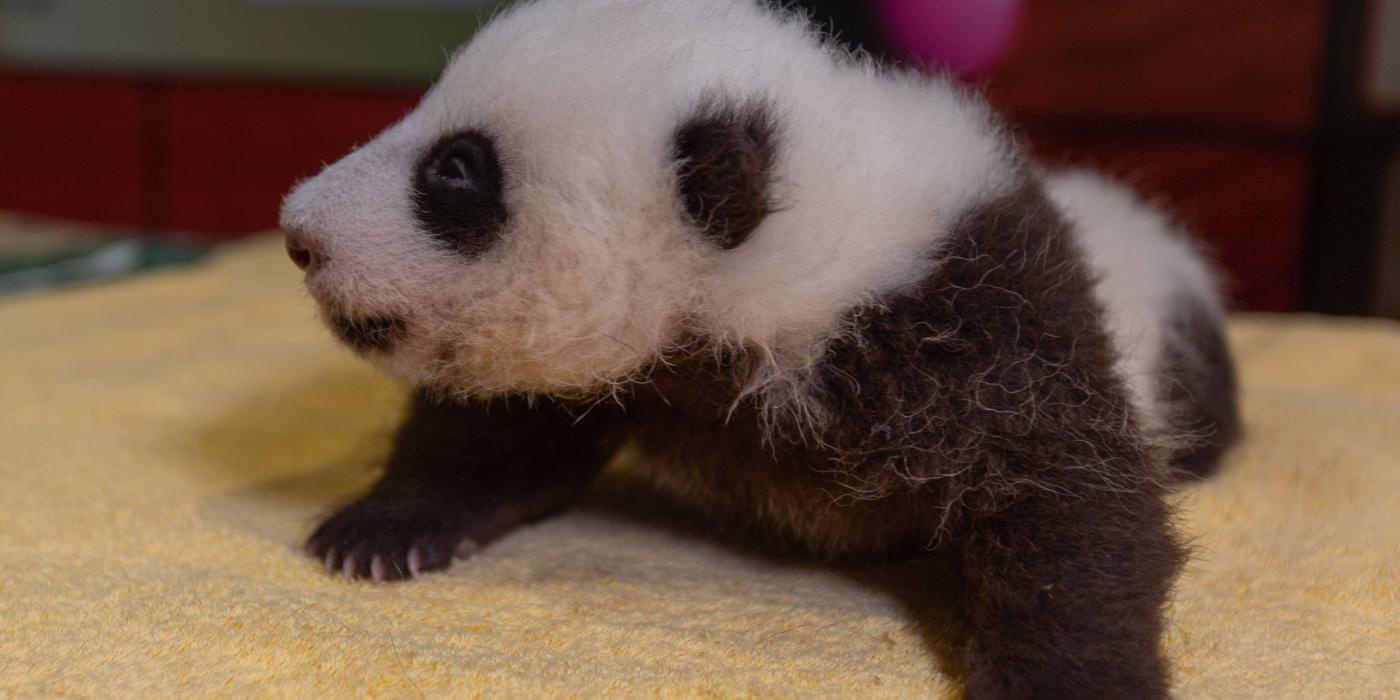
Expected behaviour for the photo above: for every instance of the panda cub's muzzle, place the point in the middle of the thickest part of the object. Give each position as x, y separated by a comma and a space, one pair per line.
364, 334
373, 334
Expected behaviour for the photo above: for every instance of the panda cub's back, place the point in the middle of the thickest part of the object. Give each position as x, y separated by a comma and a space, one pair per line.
1162, 304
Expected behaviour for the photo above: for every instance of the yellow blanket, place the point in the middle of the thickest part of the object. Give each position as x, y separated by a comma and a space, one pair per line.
165, 444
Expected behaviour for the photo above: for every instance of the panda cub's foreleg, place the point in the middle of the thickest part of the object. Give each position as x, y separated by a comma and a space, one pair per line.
1064, 597
460, 475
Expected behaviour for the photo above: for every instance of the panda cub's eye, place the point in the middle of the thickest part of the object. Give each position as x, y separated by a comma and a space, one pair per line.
459, 192
456, 174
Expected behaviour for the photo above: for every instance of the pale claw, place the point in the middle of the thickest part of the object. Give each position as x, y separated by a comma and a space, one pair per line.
466, 548
376, 569
348, 569
415, 562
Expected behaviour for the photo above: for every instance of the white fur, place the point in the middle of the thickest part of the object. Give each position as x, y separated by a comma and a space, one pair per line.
599, 273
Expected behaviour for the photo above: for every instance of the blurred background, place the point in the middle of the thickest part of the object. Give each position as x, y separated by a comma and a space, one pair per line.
140, 132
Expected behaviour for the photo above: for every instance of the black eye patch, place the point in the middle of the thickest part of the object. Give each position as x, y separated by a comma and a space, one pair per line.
726, 153
458, 192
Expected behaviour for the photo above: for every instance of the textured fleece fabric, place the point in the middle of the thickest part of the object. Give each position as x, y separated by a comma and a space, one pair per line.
167, 442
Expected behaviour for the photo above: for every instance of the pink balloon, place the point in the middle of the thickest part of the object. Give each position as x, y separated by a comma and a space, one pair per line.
967, 37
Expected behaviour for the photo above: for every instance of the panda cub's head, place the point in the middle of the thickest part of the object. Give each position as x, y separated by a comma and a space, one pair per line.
594, 182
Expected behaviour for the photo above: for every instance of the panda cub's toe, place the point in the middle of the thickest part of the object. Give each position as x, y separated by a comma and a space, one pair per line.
386, 540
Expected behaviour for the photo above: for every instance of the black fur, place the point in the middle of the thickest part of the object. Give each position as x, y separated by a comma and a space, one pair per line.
1198, 383
726, 153
375, 334
1058, 512
461, 474
459, 192
977, 414
980, 412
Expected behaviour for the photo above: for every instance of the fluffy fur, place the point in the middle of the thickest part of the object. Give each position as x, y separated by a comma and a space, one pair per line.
832, 303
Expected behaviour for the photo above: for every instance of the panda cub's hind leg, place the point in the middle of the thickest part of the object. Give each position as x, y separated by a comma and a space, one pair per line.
1197, 386
461, 475
1165, 309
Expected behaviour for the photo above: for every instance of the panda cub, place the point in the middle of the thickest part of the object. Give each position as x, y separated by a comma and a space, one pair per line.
829, 301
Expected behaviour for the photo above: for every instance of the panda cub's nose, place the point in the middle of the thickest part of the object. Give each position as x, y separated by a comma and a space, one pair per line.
302, 252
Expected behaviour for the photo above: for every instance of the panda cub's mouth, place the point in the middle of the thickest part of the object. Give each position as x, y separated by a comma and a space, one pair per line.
369, 334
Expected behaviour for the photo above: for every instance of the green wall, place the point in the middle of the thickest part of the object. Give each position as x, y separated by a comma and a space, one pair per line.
353, 40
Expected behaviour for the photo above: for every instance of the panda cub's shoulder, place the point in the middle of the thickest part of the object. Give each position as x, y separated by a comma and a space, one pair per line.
958, 237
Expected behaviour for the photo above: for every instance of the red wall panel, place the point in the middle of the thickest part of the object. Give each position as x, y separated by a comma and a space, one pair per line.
1248, 204
1209, 105
230, 152
73, 148
1240, 62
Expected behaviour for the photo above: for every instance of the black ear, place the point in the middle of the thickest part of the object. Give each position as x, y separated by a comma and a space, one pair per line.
726, 153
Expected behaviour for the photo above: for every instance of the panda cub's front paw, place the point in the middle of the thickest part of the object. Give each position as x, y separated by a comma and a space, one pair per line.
387, 539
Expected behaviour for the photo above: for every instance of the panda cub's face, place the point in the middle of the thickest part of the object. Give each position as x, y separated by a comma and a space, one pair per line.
548, 219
